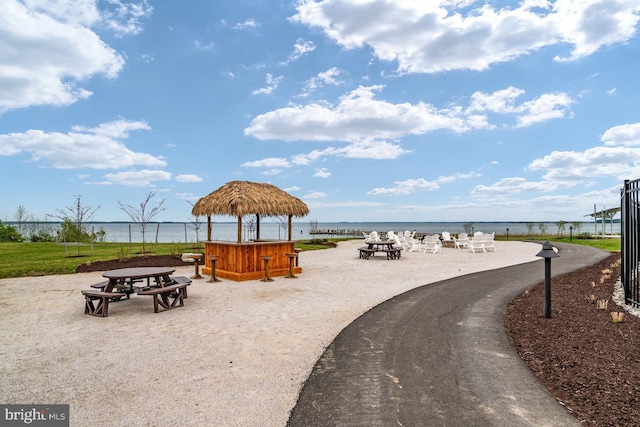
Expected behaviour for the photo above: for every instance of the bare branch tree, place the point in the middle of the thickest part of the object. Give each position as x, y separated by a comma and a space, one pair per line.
75, 218
196, 224
141, 216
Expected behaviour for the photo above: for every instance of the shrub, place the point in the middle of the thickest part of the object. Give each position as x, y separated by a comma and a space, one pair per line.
8, 233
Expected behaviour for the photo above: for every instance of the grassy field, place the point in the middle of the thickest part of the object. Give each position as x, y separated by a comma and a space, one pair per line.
39, 259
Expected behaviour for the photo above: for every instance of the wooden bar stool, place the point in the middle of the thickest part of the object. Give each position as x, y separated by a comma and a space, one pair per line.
196, 263
266, 259
293, 257
213, 259
297, 251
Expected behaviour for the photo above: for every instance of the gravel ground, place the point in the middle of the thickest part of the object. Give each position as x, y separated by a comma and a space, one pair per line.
236, 354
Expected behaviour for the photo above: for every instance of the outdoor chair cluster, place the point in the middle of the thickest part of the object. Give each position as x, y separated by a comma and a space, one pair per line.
432, 243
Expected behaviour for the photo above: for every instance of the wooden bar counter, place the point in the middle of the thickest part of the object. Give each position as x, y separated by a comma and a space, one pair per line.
241, 261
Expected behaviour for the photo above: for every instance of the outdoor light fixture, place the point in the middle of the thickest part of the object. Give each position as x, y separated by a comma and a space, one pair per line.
547, 253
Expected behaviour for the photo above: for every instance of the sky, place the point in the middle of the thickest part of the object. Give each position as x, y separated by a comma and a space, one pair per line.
367, 110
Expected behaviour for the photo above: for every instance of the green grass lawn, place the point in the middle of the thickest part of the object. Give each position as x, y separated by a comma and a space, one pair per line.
39, 259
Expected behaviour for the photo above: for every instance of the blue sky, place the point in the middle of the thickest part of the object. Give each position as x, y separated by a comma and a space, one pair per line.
367, 110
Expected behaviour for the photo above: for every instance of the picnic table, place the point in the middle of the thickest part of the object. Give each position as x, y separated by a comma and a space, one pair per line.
385, 246
168, 292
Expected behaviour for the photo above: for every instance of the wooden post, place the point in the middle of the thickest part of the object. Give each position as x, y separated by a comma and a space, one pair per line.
208, 228
257, 227
239, 229
290, 227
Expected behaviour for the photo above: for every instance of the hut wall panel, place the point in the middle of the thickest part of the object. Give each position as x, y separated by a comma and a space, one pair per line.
241, 261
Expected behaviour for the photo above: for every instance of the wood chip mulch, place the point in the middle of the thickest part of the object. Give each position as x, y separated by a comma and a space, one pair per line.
590, 363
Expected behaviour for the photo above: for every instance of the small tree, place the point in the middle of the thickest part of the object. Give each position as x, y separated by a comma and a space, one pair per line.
196, 224
530, 226
543, 228
141, 216
250, 226
283, 222
20, 216
576, 226
468, 228
75, 218
561, 227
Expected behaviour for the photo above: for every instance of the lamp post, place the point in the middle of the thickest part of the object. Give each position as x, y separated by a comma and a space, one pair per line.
571, 233
547, 253
507, 233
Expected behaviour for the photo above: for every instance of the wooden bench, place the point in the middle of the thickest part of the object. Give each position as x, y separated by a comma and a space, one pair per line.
127, 288
393, 253
167, 297
365, 252
181, 280
97, 302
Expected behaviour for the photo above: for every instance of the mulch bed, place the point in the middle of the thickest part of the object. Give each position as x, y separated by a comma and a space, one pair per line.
146, 261
587, 361
590, 363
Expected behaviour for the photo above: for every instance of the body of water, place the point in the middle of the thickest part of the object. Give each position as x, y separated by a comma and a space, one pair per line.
167, 232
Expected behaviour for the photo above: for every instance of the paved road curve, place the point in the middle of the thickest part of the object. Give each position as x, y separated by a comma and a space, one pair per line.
437, 356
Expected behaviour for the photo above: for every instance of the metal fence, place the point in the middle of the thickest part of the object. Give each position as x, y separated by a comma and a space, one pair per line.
630, 230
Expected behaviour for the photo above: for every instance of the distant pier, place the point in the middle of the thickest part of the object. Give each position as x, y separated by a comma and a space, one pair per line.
343, 232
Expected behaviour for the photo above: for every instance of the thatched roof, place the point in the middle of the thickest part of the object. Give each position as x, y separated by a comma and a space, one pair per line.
240, 198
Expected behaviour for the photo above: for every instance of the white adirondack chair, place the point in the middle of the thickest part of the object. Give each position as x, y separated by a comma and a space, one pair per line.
462, 241
432, 244
476, 244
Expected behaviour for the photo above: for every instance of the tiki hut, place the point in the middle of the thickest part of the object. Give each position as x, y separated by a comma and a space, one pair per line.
241, 198
246, 260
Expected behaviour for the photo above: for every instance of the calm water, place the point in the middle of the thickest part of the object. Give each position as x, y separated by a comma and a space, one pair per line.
227, 231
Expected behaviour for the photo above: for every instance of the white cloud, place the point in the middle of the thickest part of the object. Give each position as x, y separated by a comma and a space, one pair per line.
249, 23
271, 162
618, 159
434, 36
329, 77
446, 179
48, 48
141, 178
315, 195
203, 46
272, 84
514, 185
357, 117
616, 162
271, 172
188, 178
125, 17
300, 48
368, 123
406, 187
546, 107
627, 135
97, 148
322, 173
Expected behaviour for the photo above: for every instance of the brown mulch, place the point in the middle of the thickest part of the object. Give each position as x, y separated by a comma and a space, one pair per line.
590, 363
146, 261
